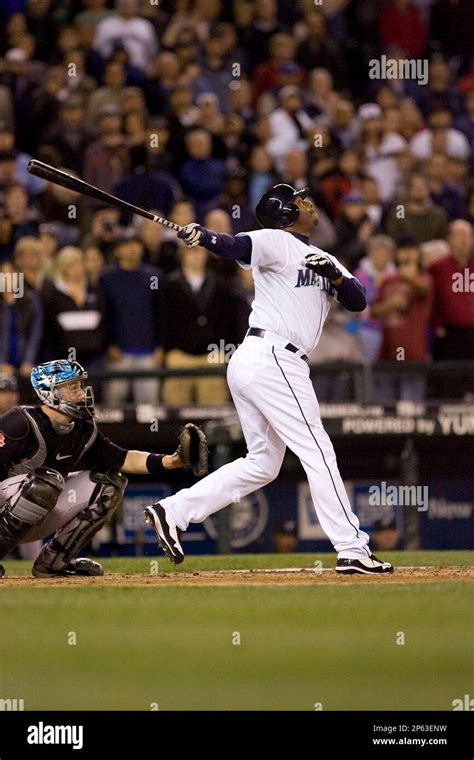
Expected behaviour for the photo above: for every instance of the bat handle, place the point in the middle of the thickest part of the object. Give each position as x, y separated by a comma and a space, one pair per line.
167, 223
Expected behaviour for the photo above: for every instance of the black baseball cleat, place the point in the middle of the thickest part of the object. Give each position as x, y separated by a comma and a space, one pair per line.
2, 571
81, 566
167, 532
370, 566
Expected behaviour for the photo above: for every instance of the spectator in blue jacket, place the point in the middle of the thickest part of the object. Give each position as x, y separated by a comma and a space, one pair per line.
133, 338
202, 177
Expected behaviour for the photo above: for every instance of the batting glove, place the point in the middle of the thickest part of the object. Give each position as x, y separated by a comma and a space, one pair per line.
192, 234
322, 266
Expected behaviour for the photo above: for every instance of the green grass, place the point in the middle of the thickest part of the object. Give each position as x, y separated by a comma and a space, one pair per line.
333, 644
243, 561
299, 646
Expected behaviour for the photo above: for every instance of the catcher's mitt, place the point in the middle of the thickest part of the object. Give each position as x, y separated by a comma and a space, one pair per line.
192, 449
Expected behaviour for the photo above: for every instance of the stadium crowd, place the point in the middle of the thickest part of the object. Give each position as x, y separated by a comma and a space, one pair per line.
193, 109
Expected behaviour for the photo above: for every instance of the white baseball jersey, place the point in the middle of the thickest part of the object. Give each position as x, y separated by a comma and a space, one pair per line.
290, 300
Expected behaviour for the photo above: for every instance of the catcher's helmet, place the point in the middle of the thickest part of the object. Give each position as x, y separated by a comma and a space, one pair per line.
47, 380
276, 209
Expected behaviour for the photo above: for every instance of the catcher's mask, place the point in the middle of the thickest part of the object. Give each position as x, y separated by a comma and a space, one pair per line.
48, 380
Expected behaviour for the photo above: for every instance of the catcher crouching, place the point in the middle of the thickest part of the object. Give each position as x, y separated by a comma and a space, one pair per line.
59, 475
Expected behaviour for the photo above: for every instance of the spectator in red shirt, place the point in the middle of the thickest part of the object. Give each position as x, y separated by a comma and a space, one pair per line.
281, 69
402, 26
404, 302
453, 312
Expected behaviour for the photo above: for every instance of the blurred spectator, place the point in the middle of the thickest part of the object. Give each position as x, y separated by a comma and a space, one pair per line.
412, 118
144, 188
73, 310
105, 230
318, 49
94, 264
288, 125
320, 97
257, 23
372, 271
401, 24
136, 34
374, 208
24, 219
201, 316
7, 236
29, 259
152, 236
210, 114
160, 157
234, 201
281, 69
465, 123
107, 159
109, 94
44, 105
453, 312
202, 177
68, 138
439, 92
261, 174
183, 115
43, 25
344, 177
353, 229
132, 322
216, 71
451, 26
337, 343
323, 154
33, 185
380, 149
162, 74
94, 11
440, 136
21, 321
403, 303
343, 123
9, 396
419, 217
240, 100
443, 193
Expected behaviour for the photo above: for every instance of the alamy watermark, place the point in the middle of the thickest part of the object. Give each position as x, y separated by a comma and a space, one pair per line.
399, 68
399, 496
12, 282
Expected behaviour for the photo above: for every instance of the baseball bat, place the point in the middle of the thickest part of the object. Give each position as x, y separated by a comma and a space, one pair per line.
58, 177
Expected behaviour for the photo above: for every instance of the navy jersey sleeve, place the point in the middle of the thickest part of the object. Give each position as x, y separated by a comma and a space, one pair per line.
17, 442
104, 455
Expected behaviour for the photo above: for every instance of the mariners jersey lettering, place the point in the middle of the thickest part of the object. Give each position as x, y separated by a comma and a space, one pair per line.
290, 300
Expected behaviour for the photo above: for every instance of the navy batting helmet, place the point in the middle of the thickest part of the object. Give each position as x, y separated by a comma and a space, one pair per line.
276, 209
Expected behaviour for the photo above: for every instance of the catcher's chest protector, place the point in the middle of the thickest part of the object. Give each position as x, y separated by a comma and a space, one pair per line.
69, 447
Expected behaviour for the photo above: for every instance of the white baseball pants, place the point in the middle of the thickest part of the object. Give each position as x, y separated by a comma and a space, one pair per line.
277, 406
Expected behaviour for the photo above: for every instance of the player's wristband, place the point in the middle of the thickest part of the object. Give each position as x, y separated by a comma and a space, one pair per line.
154, 464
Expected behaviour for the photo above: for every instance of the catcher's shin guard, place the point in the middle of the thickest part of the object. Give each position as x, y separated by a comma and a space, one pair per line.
69, 540
37, 496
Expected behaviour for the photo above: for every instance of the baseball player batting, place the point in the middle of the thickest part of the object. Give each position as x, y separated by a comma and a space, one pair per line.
59, 474
268, 376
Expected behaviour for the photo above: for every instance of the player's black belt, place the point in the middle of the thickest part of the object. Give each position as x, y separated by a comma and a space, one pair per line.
258, 332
